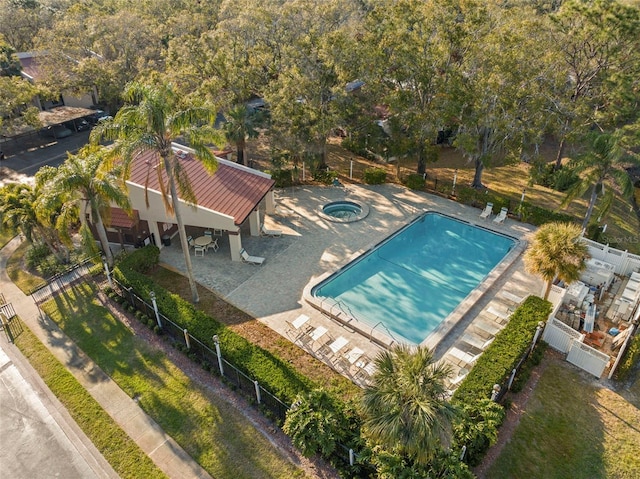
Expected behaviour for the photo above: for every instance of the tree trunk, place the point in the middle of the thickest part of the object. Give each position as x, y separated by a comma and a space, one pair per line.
422, 163
559, 155
477, 177
181, 231
547, 290
592, 203
104, 241
240, 148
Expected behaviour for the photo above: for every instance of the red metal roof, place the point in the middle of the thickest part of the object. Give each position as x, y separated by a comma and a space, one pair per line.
232, 190
120, 219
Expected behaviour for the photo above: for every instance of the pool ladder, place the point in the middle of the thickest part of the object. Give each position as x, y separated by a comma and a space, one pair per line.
380, 323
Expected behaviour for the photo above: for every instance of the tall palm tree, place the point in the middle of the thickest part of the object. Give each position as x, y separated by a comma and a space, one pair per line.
603, 163
240, 125
406, 407
82, 185
150, 120
556, 251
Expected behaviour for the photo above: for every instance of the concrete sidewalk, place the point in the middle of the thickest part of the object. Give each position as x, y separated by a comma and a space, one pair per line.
161, 448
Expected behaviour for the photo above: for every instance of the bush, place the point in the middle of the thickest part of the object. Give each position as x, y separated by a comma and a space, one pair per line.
415, 182
325, 176
142, 260
274, 374
477, 428
545, 174
631, 357
283, 178
36, 255
375, 176
497, 362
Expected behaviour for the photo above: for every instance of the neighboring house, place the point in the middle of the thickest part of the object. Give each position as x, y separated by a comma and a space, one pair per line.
228, 199
69, 108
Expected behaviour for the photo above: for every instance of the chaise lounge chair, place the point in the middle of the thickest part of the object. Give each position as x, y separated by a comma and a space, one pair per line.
487, 211
511, 297
501, 216
476, 341
247, 258
273, 233
463, 356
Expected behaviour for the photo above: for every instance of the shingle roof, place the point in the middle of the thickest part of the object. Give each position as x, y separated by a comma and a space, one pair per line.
120, 218
232, 190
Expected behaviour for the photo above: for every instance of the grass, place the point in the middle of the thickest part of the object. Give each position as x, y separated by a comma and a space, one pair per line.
124, 455
572, 428
5, 236
18, 272
214, 433
254, 331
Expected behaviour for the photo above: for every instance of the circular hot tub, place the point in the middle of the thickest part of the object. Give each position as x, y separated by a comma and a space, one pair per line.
344, 211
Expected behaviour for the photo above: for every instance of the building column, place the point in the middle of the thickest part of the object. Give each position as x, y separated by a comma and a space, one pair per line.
235, 245
155, 231
254, 222
270, 203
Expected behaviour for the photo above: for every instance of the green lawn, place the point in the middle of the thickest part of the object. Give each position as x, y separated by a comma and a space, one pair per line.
209, 429
5, 236
18, 273
124, 455
572, 429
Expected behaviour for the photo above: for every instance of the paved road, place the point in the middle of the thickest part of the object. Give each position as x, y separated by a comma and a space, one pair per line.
22, 165
38, 437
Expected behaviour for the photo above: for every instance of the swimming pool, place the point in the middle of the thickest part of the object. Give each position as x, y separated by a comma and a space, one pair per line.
412, 281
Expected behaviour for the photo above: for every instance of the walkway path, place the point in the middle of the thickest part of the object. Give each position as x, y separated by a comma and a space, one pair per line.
161, 448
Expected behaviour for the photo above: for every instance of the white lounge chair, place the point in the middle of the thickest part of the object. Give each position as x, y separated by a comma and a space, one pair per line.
247, 258
486, 213
334, 347
476, 341
493, 311
299, 326
458, 379
501, 216
489, 327
463, 356
273, 233
511, 297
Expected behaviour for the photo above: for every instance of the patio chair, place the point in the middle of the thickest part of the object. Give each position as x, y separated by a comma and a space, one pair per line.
247, 258
463, 356
190, 241
501, 216
458, 379
489, 327
199, 250
213, 245
208, 233
334, 347
511, 297
299, 326
487, 211
476, 341
366, 368
499, 314
273, 233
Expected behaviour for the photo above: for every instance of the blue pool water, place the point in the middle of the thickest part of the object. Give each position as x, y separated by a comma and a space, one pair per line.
415, 278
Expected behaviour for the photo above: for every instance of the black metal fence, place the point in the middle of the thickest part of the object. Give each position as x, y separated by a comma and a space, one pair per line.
212, 359
61, 280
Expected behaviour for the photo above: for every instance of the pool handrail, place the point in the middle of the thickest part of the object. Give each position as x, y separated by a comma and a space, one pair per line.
393, 338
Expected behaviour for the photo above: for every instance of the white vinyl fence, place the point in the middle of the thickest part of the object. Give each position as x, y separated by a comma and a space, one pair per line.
587, 358
560, 336
624, 261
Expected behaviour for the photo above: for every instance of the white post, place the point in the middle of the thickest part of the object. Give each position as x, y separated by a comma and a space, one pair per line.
187, 340
106, 271
303, 175
463, 452
455, 179
524, 190
495, 392
257, 386
352, 458
351, 170
604, 228
511, 378
216, 342
155, 307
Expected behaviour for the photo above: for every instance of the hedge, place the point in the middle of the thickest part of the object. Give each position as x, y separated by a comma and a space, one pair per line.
497, 362
271, 372
632, 355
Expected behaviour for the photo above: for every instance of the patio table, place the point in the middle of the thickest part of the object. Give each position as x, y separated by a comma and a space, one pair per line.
203, 240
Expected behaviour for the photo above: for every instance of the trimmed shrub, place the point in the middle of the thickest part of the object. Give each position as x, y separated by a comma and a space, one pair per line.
375, 176
283, 178
273, 373
415, 182
325, 176
142, 260
631, 357
497, 362
477, 428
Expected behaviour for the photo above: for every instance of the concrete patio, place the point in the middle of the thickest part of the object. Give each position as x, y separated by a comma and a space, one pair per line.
311, 246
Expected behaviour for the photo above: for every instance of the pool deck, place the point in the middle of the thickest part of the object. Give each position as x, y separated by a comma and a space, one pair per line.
310, 247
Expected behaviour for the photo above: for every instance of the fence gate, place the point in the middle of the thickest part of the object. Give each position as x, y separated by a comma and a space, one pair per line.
587, 358
9, 322
560, 336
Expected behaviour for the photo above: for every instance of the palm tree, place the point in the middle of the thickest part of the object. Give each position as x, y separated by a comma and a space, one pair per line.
240, 124
556, 251
406, 407
151, 119
603, 163
19, 212
82, 183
